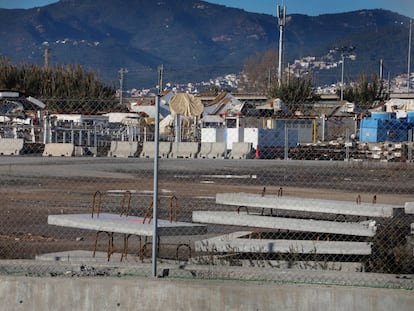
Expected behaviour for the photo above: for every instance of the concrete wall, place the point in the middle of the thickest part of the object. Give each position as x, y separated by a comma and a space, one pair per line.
44, 294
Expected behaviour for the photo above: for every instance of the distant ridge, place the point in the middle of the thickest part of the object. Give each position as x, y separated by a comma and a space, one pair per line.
195, 40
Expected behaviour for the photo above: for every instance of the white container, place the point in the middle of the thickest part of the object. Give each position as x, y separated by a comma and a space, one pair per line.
212, 135
234, 135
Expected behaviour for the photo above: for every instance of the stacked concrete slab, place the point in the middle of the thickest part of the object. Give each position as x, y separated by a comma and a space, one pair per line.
242, 242
365, 228
308, 205
250, 214
11, 146
58, 150
124, 224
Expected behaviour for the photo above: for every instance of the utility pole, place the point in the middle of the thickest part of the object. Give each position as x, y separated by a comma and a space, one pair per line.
281, 17
122, 71
46, 58
409, 56
345, 50
160, 79
381, 69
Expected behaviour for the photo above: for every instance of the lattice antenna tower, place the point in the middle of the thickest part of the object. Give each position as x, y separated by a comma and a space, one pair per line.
281, 18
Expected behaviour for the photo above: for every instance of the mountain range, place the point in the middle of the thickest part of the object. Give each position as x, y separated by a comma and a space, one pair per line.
194, 40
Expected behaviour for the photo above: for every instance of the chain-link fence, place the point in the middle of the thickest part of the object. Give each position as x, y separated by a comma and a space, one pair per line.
321, 200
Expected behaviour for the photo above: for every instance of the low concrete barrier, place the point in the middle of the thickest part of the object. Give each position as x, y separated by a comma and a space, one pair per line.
123, 149
184, 150
205, 150
11, 146
409, 208
164, 149
58, 150
211, 150
241, 151
147, 150
218, 151
145, 294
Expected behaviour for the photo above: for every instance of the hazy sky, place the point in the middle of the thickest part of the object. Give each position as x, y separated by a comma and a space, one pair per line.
309, 7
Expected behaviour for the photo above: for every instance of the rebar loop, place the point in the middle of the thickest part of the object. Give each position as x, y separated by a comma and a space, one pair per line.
125, 209
149, 213
180, 246
173, 208
110, 248
94, 201
245, 207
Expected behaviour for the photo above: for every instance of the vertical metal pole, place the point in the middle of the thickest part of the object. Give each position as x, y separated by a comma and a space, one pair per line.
409, 57
323, 127
155, 194
286, 142
281, 16
95, 139
177, 128
347, 144
342, 77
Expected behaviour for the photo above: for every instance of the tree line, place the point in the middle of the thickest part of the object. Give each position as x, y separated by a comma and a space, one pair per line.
259, 76
71, 89
63, 88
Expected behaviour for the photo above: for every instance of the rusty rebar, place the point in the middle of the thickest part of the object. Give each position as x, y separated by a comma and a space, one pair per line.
94, 201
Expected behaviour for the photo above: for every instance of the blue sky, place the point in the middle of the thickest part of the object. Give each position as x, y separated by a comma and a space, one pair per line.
309, 7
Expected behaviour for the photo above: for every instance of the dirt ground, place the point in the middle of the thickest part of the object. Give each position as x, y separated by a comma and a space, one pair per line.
33, 188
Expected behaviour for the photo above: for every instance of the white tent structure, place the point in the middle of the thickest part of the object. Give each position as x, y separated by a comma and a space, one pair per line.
183, 107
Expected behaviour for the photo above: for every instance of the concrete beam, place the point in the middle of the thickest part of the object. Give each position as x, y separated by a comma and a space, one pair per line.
308, 205
367, 228
234, 242
122, 224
